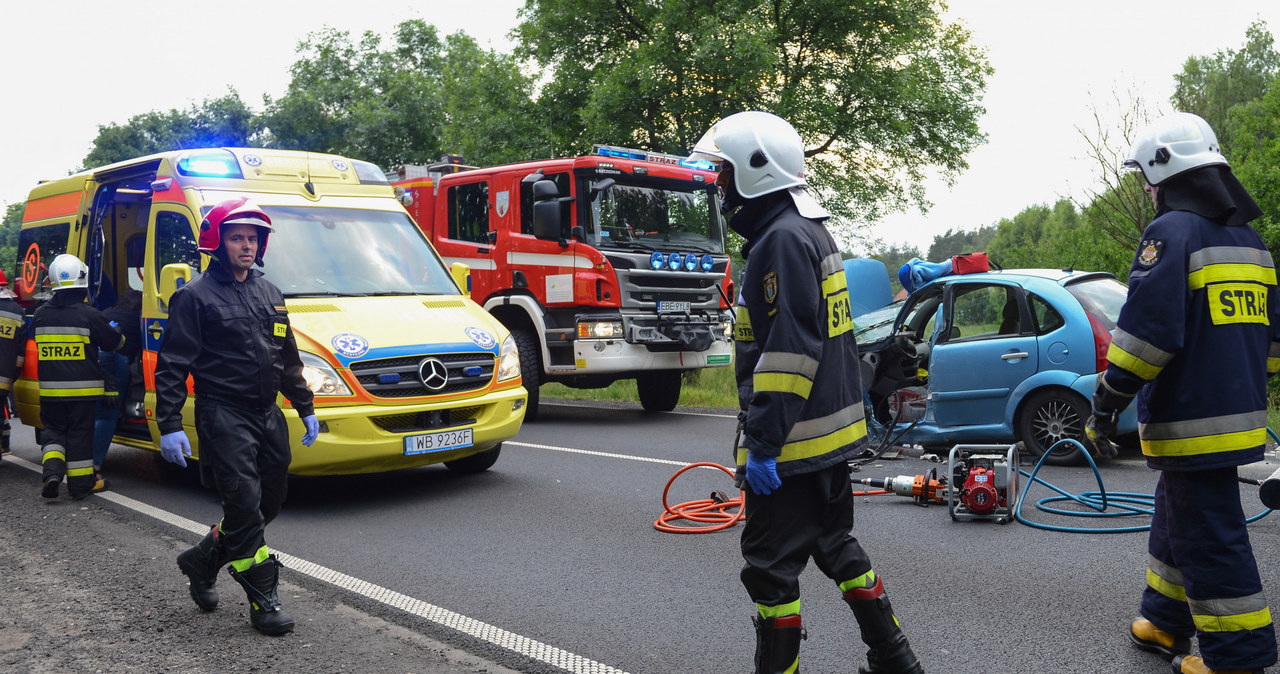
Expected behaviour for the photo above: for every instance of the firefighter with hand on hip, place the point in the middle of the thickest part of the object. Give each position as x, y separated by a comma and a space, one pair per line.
12, 337
1194, 343
229, 329
68, 333
800, 395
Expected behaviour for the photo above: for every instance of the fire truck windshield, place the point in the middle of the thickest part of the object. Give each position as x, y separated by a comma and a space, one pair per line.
652, 215
351, 252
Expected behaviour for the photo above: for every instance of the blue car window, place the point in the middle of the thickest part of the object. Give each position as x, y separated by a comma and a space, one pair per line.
984, 312
1045, 318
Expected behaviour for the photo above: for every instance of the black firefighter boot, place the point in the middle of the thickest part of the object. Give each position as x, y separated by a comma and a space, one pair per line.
259, 582
200, 563
778, 644
889, 651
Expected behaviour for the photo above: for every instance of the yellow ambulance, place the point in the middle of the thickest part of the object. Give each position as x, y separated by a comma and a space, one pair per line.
406, 369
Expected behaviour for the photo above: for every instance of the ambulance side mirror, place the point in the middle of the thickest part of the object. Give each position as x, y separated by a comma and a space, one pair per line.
461, 274
172, 277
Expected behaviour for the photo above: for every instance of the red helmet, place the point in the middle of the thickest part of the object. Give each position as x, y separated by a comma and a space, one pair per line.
237, 211
4, 280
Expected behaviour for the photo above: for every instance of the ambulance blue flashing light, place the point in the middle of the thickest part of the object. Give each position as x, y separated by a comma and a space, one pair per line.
211, 164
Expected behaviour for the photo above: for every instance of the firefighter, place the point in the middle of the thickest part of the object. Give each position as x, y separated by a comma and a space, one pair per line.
229, 330
1194, 343
68, 333
12, 336
800, 396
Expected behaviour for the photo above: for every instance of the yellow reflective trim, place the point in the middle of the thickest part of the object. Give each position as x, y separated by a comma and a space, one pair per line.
807, 449
834, 283
1273, 365
1205, 444
242, 565
779, 611
780, 382
51, 339
1171, 590
1123, 359
1242, 622
862, 582
53, 454
76, 472
1219, 273
71, 392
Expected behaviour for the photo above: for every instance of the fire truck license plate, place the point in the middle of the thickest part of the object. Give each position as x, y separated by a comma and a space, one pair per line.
668, 305
437, 442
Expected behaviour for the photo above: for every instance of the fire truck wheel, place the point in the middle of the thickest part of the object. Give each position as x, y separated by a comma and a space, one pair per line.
530, 369
659, 391
1051, 415
476, 463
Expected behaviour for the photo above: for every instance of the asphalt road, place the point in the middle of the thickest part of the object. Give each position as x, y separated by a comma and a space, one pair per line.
553, 554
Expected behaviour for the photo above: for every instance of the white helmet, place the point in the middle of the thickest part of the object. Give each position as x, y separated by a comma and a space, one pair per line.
1174, 144
765, 150
67, 272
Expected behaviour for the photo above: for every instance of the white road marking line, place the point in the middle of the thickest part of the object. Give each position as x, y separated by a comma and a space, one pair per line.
687, 414
511, 641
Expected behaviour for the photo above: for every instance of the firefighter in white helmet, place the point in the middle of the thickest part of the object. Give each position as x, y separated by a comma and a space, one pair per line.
229, 329
1195, 343
68, 333
801, 415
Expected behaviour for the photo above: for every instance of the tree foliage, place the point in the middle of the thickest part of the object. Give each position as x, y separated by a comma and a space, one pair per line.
1117, 208
218, 122
955, 242
881, 91
1211, 86
1255, 156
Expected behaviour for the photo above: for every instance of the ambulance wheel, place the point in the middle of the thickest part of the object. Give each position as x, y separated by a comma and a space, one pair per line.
659, 391
530, 369
1049, 416
476, 463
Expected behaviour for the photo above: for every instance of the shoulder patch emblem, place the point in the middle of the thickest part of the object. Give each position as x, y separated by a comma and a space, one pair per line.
770, 287
1149, 252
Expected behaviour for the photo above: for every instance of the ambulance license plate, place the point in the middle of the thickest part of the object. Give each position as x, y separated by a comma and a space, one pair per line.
437, 442
665, 306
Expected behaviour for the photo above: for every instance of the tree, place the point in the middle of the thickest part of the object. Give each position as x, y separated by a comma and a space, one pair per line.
1210, 86
218, 122
955, 242
881, 91
1255, 142
408, 103
1118, 209
893, 257
10, 228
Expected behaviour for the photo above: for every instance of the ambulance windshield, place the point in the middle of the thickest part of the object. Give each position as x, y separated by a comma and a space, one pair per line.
656, 214
351, 252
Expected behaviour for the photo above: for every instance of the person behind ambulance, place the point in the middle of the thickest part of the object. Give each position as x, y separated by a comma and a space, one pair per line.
229, 330
800, 395
1194, 343
12, 337
68, 333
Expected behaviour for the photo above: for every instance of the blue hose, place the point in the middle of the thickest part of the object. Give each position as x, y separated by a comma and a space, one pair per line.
1126, 504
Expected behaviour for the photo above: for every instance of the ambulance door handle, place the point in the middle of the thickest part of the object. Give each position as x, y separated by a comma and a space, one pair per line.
1014, 355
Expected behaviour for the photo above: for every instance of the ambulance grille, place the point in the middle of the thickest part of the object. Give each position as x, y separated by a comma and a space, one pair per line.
427, 421
398, 377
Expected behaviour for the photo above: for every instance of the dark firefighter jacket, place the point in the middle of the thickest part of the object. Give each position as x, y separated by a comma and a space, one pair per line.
68, 333
794, 342
234, 339
1195, 342
12, 338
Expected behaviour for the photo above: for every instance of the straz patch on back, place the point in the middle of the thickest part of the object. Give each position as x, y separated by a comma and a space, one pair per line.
1238, 303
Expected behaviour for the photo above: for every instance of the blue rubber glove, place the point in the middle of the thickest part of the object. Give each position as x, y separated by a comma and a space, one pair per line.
313, 429
174, 446
762, 474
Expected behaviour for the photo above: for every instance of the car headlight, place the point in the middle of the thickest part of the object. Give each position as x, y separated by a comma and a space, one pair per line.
509, 359
600, 330
321, 378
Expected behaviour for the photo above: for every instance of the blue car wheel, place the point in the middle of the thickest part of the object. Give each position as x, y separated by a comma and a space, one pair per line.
1049, 416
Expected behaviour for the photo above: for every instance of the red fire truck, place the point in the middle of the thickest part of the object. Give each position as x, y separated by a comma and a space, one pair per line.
604, 267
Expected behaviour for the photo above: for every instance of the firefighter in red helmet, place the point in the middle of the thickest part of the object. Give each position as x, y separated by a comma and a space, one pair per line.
229, 330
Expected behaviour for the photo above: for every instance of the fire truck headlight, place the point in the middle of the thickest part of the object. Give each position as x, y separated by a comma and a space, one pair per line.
600, 330
509, 360
321, 378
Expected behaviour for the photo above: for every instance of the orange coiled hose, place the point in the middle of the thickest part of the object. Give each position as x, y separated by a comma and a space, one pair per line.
711, 514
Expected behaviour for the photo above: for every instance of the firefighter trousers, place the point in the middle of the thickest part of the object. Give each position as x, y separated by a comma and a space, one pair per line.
66, 443
245, 453
810, 515
1202, 578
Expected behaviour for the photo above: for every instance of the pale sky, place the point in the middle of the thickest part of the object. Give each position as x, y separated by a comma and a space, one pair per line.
67, 67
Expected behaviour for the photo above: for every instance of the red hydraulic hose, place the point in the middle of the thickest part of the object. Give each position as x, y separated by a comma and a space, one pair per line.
711, 514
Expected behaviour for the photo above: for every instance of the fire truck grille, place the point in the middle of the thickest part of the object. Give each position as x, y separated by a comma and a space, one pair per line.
400, 378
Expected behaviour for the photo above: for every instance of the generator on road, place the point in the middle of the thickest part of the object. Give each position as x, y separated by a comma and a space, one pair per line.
984, 482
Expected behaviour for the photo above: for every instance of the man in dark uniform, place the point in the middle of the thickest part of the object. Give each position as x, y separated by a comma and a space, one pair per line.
68, 333
12, 337
1194, 343
801, 396
229, 330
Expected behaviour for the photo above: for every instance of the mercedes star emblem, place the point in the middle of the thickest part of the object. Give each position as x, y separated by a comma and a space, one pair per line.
433, 373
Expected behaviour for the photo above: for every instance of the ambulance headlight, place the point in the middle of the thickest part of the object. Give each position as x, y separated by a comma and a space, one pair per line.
321, 378
509, 359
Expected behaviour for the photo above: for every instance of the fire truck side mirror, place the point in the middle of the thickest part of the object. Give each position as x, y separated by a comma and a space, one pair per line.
546, 211
172, 277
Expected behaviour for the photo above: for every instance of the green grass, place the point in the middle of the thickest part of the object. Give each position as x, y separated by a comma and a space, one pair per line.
708, 387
